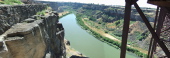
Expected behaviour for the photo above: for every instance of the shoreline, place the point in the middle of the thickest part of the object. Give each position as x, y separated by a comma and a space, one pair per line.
106, 38
102, 33
62, 14
116, 43
69, 50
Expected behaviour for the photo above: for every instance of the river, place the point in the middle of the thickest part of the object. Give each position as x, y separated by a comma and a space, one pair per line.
85, 43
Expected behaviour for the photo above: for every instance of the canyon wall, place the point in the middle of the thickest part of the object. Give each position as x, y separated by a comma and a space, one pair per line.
26, 36
110, 10
10, 15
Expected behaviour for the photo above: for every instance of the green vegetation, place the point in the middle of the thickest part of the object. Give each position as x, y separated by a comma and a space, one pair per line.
119, 22
1, 2
11, 2
140, 36
117, 33
111, 42
80, 22
93, 19
41, 13
110, 20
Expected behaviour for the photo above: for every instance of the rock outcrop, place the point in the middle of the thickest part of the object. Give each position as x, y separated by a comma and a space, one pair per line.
36, 37
10, 15
71, 52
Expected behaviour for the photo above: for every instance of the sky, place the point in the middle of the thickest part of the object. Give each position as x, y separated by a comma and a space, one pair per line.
141, 3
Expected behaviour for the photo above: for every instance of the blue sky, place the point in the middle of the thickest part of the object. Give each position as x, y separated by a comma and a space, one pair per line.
142, 3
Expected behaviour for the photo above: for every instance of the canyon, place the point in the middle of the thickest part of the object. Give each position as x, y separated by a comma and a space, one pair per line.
27, 35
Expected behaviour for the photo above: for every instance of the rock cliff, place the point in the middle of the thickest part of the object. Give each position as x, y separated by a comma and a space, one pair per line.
114, 10
10, 15
35, 37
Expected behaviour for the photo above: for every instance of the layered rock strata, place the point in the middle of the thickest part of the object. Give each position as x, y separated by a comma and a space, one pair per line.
10, 15
36, 37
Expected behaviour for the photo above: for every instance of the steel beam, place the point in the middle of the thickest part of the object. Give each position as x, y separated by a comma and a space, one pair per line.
125, 28
151, 41
155, 36
159, 27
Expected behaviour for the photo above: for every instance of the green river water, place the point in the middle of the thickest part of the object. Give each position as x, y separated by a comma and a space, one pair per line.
85, 43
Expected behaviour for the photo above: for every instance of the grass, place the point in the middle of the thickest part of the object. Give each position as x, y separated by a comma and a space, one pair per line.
11, 2
110, 42
41, 13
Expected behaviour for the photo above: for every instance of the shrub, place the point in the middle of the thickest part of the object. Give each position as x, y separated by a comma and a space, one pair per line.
110, 42
1, 2
93, 19
106, 31
41, 12
117, 33
141, 36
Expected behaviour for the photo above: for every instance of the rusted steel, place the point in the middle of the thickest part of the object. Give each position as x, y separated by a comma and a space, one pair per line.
159, 27
165, 35
125, 28
155, 36
151, 41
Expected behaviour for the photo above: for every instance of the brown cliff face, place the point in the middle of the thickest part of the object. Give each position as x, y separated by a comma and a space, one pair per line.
38, 37
10, 15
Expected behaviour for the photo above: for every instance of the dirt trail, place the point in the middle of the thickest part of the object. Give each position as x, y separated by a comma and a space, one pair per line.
101, 32
111, 37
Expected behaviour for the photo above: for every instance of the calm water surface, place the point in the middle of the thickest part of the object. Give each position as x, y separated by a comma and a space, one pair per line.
85, 43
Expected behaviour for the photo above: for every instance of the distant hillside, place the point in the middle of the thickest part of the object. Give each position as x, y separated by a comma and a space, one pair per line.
110, 20
99, 10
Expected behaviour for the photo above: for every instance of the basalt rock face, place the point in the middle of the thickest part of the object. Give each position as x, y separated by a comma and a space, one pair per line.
36, 37
10, 15
115, 10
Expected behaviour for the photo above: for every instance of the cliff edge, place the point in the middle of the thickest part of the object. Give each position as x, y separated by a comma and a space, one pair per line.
35, 37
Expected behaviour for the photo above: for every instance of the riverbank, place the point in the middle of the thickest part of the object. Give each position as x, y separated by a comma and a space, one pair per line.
71, 51
106, 37
62, 14
103, 33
